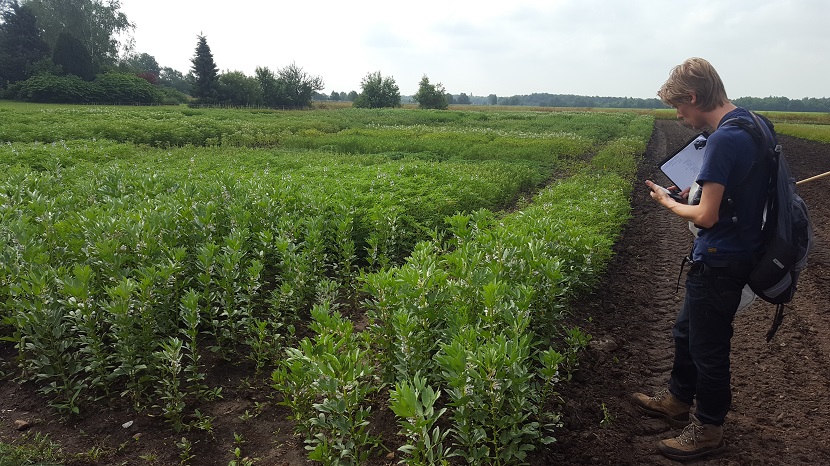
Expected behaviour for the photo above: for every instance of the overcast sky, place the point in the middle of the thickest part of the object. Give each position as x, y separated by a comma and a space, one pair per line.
505, 47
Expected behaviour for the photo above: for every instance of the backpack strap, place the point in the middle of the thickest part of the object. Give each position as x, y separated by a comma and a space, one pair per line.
768, 153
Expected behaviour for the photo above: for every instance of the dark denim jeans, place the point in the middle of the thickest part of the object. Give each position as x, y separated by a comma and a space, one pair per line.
702, 339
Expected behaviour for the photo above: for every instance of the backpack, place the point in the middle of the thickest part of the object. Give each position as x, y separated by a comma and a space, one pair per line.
787, 229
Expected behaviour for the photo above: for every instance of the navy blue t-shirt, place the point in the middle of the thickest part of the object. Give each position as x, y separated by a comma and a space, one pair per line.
732, 155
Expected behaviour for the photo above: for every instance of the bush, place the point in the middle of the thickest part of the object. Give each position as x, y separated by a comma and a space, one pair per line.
107, 88
171, 96
124, 88
49, 88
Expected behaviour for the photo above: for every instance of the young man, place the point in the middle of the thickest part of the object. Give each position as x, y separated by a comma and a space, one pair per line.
729, 218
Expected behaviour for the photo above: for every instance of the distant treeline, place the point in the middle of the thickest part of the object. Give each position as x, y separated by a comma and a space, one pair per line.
782, 104
568, 100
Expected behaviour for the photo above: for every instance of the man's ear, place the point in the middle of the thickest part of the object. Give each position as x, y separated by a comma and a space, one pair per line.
693, 98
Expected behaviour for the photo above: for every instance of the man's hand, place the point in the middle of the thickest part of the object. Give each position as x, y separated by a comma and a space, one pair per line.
704, 214
666, 196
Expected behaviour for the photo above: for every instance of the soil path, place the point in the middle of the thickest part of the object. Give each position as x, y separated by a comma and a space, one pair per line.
780, 413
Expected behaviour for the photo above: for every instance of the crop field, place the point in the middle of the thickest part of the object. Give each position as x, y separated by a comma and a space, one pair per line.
406, 264
812, 126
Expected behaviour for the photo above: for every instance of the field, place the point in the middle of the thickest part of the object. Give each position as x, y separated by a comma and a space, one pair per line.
367, 287
343, 284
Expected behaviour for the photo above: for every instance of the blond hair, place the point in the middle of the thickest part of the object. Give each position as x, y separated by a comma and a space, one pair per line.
694, 76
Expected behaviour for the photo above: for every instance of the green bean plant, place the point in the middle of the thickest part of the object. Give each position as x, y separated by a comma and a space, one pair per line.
381, 243
90, 327
46, 341
414, 404
133, 345
169, 390
134, 240
327, 382
191, 317
264, 340
407, 312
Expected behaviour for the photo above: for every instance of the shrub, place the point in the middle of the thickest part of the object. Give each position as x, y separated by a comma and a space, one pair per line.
124, 88
55, 89
107, 88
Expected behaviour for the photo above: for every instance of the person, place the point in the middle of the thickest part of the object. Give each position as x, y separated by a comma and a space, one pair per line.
729, 219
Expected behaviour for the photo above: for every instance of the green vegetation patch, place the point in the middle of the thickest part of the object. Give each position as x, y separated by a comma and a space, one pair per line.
813, 132
124, 258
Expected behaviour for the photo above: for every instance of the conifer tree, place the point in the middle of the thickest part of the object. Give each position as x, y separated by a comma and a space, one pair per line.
205, 73
21, 44
71, 54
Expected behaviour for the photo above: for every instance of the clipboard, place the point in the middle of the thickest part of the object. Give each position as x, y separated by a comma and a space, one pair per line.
683, 166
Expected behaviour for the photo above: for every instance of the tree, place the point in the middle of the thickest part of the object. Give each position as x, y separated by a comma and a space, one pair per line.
21, 44
96, 23
296, 87
236, 88
268, 86
73, 57
140, 63
492, 99
169, 77
205, 73
463, 99
430, 96
378, 92
289, 87
351, 96
334, 95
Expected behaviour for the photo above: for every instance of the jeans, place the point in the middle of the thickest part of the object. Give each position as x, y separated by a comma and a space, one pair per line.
702, 335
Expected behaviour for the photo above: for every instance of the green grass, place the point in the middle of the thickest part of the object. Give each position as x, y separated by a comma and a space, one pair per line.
31, 450
820, 133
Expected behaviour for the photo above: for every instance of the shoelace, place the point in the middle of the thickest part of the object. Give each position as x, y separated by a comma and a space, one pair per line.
690, 434
660, 395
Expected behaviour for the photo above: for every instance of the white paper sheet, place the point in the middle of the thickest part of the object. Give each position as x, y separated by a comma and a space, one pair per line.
683, 167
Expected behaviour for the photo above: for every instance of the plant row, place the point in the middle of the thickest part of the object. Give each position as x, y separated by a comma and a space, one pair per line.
467, 337
178, 126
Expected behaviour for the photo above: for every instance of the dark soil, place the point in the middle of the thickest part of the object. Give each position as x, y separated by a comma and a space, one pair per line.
780, 413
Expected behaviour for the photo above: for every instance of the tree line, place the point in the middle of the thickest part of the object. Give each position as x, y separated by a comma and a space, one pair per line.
67, 51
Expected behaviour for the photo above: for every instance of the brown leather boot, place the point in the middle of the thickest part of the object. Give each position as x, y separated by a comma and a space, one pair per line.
696, 440
663, 405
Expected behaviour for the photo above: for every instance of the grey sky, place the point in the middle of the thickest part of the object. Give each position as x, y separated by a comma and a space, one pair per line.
589, 47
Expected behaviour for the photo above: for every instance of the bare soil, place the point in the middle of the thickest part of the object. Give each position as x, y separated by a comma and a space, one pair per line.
780, 413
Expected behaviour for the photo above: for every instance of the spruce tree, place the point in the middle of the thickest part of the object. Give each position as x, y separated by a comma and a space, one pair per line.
205, 73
